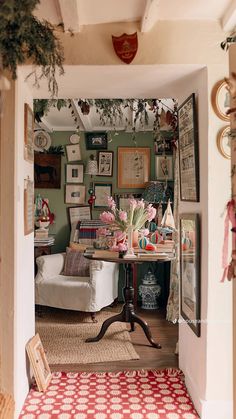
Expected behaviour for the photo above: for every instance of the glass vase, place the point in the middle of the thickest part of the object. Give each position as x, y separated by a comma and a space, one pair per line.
130, 250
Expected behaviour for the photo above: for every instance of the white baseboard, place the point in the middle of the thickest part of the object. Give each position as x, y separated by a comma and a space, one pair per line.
209, 409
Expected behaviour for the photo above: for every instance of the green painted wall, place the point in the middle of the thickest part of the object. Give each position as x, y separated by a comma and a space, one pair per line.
61, 227
56, 197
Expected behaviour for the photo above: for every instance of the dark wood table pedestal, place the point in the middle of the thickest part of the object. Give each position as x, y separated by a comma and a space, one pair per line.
127, 314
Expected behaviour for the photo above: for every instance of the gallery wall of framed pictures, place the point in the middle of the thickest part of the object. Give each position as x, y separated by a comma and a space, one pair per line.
74, 183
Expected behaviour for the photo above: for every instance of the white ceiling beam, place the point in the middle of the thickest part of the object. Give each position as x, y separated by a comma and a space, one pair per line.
70, 15
85, 120
44, 124
228, 21
150, 15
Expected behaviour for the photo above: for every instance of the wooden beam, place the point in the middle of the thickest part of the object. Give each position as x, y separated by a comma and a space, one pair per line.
70, 15
150, 15
228, 21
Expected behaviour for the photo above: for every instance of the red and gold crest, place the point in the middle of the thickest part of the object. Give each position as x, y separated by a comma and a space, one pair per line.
126, 46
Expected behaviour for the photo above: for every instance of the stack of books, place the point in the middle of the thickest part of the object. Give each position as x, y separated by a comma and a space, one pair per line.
44, 241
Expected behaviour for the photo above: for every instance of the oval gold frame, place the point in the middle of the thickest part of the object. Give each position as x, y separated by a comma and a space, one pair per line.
220, 137
215, 100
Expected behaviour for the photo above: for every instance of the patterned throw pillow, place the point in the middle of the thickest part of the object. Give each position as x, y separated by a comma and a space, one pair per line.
75, 263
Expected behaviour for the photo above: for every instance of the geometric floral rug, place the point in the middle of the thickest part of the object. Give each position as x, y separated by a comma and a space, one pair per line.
156, 394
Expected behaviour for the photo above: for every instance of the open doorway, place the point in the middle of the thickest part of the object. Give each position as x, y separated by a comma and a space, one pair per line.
82, 131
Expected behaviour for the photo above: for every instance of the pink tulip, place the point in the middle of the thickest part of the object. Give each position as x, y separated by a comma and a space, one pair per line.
132, 203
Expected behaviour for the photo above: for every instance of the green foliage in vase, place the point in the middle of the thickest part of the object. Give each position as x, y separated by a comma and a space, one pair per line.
23, 38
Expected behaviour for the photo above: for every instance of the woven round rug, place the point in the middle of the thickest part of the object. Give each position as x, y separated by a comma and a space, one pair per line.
63, 335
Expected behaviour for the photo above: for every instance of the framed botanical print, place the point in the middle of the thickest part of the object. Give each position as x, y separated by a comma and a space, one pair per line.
164, 167
188, 150
105, 163
190, 270
133, 167
28, 133
102, 191
28, 206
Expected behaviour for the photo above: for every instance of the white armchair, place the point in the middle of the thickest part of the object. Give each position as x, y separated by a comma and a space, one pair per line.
89, 294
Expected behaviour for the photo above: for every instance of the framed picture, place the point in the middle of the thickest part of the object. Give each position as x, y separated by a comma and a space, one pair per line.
74, 194
39, 363
47, 171
190, 270
122, 200
28, 206
188, 151
73, 152
96, 140
163, 144
164, 167
105, 163
224, 142
133, 167
102, 191
220, 100
28, 133
79, 213
74, 173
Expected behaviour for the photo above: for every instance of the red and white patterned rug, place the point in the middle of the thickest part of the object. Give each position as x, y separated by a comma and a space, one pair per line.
158, 394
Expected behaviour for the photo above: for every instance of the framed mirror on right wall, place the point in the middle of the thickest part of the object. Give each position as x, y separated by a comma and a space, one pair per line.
190, 271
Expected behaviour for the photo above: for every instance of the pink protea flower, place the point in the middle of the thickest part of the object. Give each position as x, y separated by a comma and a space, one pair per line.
140, 203
132, 203
120, 235
111, 203
144, 231
122, 247
151, 212
107, 217
123, 215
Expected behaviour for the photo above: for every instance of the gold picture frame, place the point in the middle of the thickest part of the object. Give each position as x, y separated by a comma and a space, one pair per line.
133, 167
39, 363
28, 133
223, 142
220, 100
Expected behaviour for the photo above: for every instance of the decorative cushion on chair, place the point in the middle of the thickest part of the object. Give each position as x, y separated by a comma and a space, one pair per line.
75, 264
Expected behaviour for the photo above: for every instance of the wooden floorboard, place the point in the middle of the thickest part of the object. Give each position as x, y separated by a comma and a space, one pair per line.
162, 331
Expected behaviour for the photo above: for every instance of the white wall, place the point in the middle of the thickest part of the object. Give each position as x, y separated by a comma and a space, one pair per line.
24, 250
207, 361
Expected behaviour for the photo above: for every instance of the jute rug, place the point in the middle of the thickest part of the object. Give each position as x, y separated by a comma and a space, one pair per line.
63, 334
118, 395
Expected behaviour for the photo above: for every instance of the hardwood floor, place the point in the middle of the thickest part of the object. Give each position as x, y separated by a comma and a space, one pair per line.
162, 331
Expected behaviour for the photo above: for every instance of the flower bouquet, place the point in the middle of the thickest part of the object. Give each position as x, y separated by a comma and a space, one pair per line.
124, 223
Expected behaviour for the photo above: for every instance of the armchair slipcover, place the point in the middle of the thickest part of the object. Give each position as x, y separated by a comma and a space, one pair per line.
89, 294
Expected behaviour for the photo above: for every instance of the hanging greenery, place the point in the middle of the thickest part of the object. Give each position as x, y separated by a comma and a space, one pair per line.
42, 106
24, 38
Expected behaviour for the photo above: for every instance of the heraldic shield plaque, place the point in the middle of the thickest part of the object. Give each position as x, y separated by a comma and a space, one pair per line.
126, 46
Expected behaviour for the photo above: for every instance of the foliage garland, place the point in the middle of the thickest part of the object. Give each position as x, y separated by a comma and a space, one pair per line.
23, 37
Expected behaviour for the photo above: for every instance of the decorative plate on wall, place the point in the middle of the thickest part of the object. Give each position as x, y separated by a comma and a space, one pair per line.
42, 140
220, 100
74, 139
223, 142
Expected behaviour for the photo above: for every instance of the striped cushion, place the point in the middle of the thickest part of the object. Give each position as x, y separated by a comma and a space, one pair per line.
75, 263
